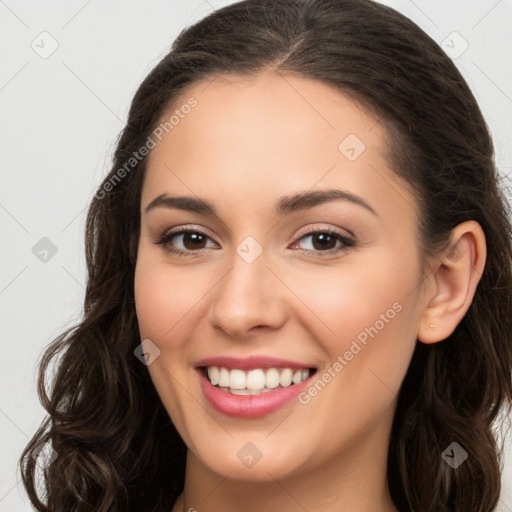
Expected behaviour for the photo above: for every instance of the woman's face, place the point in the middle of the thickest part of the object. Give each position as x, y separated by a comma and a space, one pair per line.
330, 283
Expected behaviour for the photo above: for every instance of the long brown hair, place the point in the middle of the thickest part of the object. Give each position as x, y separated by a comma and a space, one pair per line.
117, 447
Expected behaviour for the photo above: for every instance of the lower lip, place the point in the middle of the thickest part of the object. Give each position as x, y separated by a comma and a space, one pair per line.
249, 406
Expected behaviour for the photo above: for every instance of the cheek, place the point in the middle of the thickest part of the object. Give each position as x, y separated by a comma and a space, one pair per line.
362, 302
368, 355
165, 299
367, 316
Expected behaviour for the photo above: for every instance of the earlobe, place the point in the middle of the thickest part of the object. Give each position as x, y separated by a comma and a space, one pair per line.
455, 277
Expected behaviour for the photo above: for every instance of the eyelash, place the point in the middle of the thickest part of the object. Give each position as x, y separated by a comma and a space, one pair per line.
164, 240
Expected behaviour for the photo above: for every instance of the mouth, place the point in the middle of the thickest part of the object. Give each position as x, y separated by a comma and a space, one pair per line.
252, 386
255, 381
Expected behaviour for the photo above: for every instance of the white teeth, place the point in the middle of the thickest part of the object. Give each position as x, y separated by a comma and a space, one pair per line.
246, 391
237, 379
272, 378
255, 379
224, 377
240, 391
254, 382
213, 375
286, 377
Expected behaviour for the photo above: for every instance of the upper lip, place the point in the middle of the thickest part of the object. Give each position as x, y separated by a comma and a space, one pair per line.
251, 362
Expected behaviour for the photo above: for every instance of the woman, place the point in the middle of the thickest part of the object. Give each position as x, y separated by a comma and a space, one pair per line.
300, 281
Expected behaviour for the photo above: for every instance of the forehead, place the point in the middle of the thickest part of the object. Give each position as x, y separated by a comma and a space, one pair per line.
270, 134
271, 111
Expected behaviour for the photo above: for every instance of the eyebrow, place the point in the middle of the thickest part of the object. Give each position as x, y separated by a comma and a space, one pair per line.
285, 205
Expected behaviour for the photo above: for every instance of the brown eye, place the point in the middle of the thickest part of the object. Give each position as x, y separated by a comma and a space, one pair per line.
324, 242
191, 241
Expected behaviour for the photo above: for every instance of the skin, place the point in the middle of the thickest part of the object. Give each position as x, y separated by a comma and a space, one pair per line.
247, 143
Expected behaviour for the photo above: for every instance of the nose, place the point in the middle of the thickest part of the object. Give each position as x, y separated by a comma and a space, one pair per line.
249, 297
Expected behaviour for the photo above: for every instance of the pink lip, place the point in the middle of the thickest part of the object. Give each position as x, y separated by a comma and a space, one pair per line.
251, 362
249, 406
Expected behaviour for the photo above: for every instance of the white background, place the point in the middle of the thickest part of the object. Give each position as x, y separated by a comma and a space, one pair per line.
60, 119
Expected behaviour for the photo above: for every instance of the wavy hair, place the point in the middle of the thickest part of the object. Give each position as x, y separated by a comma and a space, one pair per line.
117, 448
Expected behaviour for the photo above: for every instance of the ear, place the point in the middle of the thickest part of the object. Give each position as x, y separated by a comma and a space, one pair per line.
455, 276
